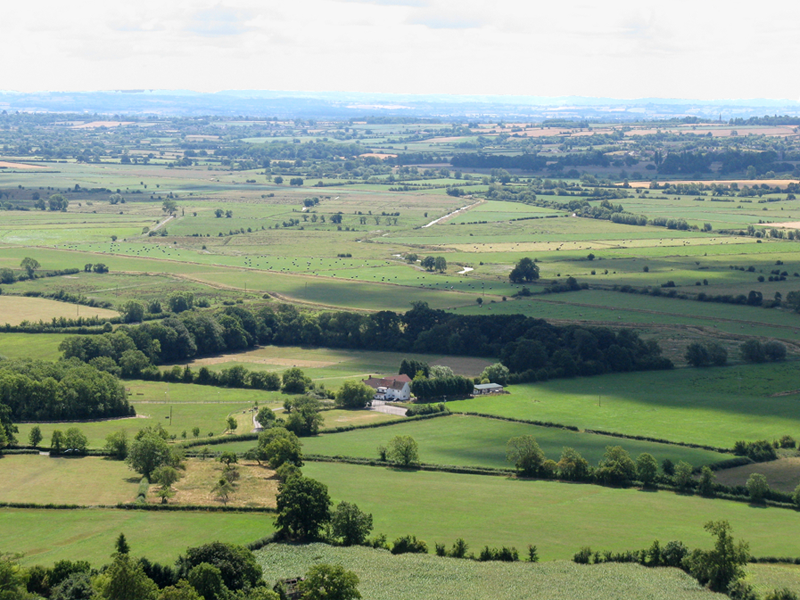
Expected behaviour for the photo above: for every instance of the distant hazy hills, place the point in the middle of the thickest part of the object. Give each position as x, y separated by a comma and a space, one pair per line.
321, 105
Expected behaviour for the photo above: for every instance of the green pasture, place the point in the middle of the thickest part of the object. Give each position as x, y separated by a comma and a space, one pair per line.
47, 536
383, 576
715, 406
118, 288
500, 211
62, 480
41, 346
609, 307
479, 442
210, 418
559, 518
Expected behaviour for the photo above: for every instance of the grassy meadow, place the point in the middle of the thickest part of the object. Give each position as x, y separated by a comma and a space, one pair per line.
47, 536
713, 406
42, 479
475, 441
559, 518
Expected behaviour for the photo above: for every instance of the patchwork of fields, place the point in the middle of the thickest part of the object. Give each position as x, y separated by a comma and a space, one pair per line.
717, 265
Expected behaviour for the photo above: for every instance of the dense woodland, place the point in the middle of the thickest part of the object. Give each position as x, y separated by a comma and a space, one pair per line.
60, 391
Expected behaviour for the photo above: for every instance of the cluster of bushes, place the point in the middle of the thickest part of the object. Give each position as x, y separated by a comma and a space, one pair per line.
213, 571
426, 409
531, 347
58, 391
762, 450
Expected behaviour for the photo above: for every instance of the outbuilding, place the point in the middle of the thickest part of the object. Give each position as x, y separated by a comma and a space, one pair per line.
487, 388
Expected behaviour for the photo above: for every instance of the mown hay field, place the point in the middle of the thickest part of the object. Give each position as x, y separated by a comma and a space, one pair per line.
16, 309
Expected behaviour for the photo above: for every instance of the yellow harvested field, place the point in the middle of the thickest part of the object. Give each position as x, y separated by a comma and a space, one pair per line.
16, 309
252, 357
12, 165
789, 225
257, 485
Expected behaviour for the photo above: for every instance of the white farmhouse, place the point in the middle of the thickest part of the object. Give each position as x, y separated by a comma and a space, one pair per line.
394, 387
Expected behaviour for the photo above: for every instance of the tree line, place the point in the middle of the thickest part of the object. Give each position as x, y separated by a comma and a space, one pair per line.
532, 349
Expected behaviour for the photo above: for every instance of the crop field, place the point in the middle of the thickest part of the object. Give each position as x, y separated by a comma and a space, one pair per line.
440, 507
768, 577
475, 441
714, 406
385, 577
782, 474
62, 480
16, 309
47, 536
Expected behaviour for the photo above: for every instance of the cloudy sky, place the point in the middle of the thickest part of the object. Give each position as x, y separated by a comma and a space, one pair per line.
707, 49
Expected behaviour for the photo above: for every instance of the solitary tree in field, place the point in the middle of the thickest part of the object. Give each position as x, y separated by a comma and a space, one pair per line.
35, 436
525, 271
30, 265
721, 565
232, 424
303, 508
757, 487
223, 490
403, 449
350, 524
525, 454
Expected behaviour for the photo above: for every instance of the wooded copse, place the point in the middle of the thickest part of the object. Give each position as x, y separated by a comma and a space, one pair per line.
58, 391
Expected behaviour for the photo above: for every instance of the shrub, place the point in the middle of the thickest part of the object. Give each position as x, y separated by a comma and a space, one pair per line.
409, 544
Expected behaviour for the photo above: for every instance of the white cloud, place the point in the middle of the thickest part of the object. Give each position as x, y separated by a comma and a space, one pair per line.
621, 48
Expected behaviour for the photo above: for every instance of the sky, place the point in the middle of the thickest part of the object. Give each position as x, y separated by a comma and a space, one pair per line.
703, 49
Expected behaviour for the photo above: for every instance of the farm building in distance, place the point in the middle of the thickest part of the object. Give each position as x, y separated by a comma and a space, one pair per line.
487, 388
395, 387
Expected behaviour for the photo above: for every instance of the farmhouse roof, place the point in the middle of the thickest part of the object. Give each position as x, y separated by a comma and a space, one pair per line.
488, 386
395, 382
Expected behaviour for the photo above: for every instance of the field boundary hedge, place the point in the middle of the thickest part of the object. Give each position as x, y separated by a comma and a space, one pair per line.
140, 506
